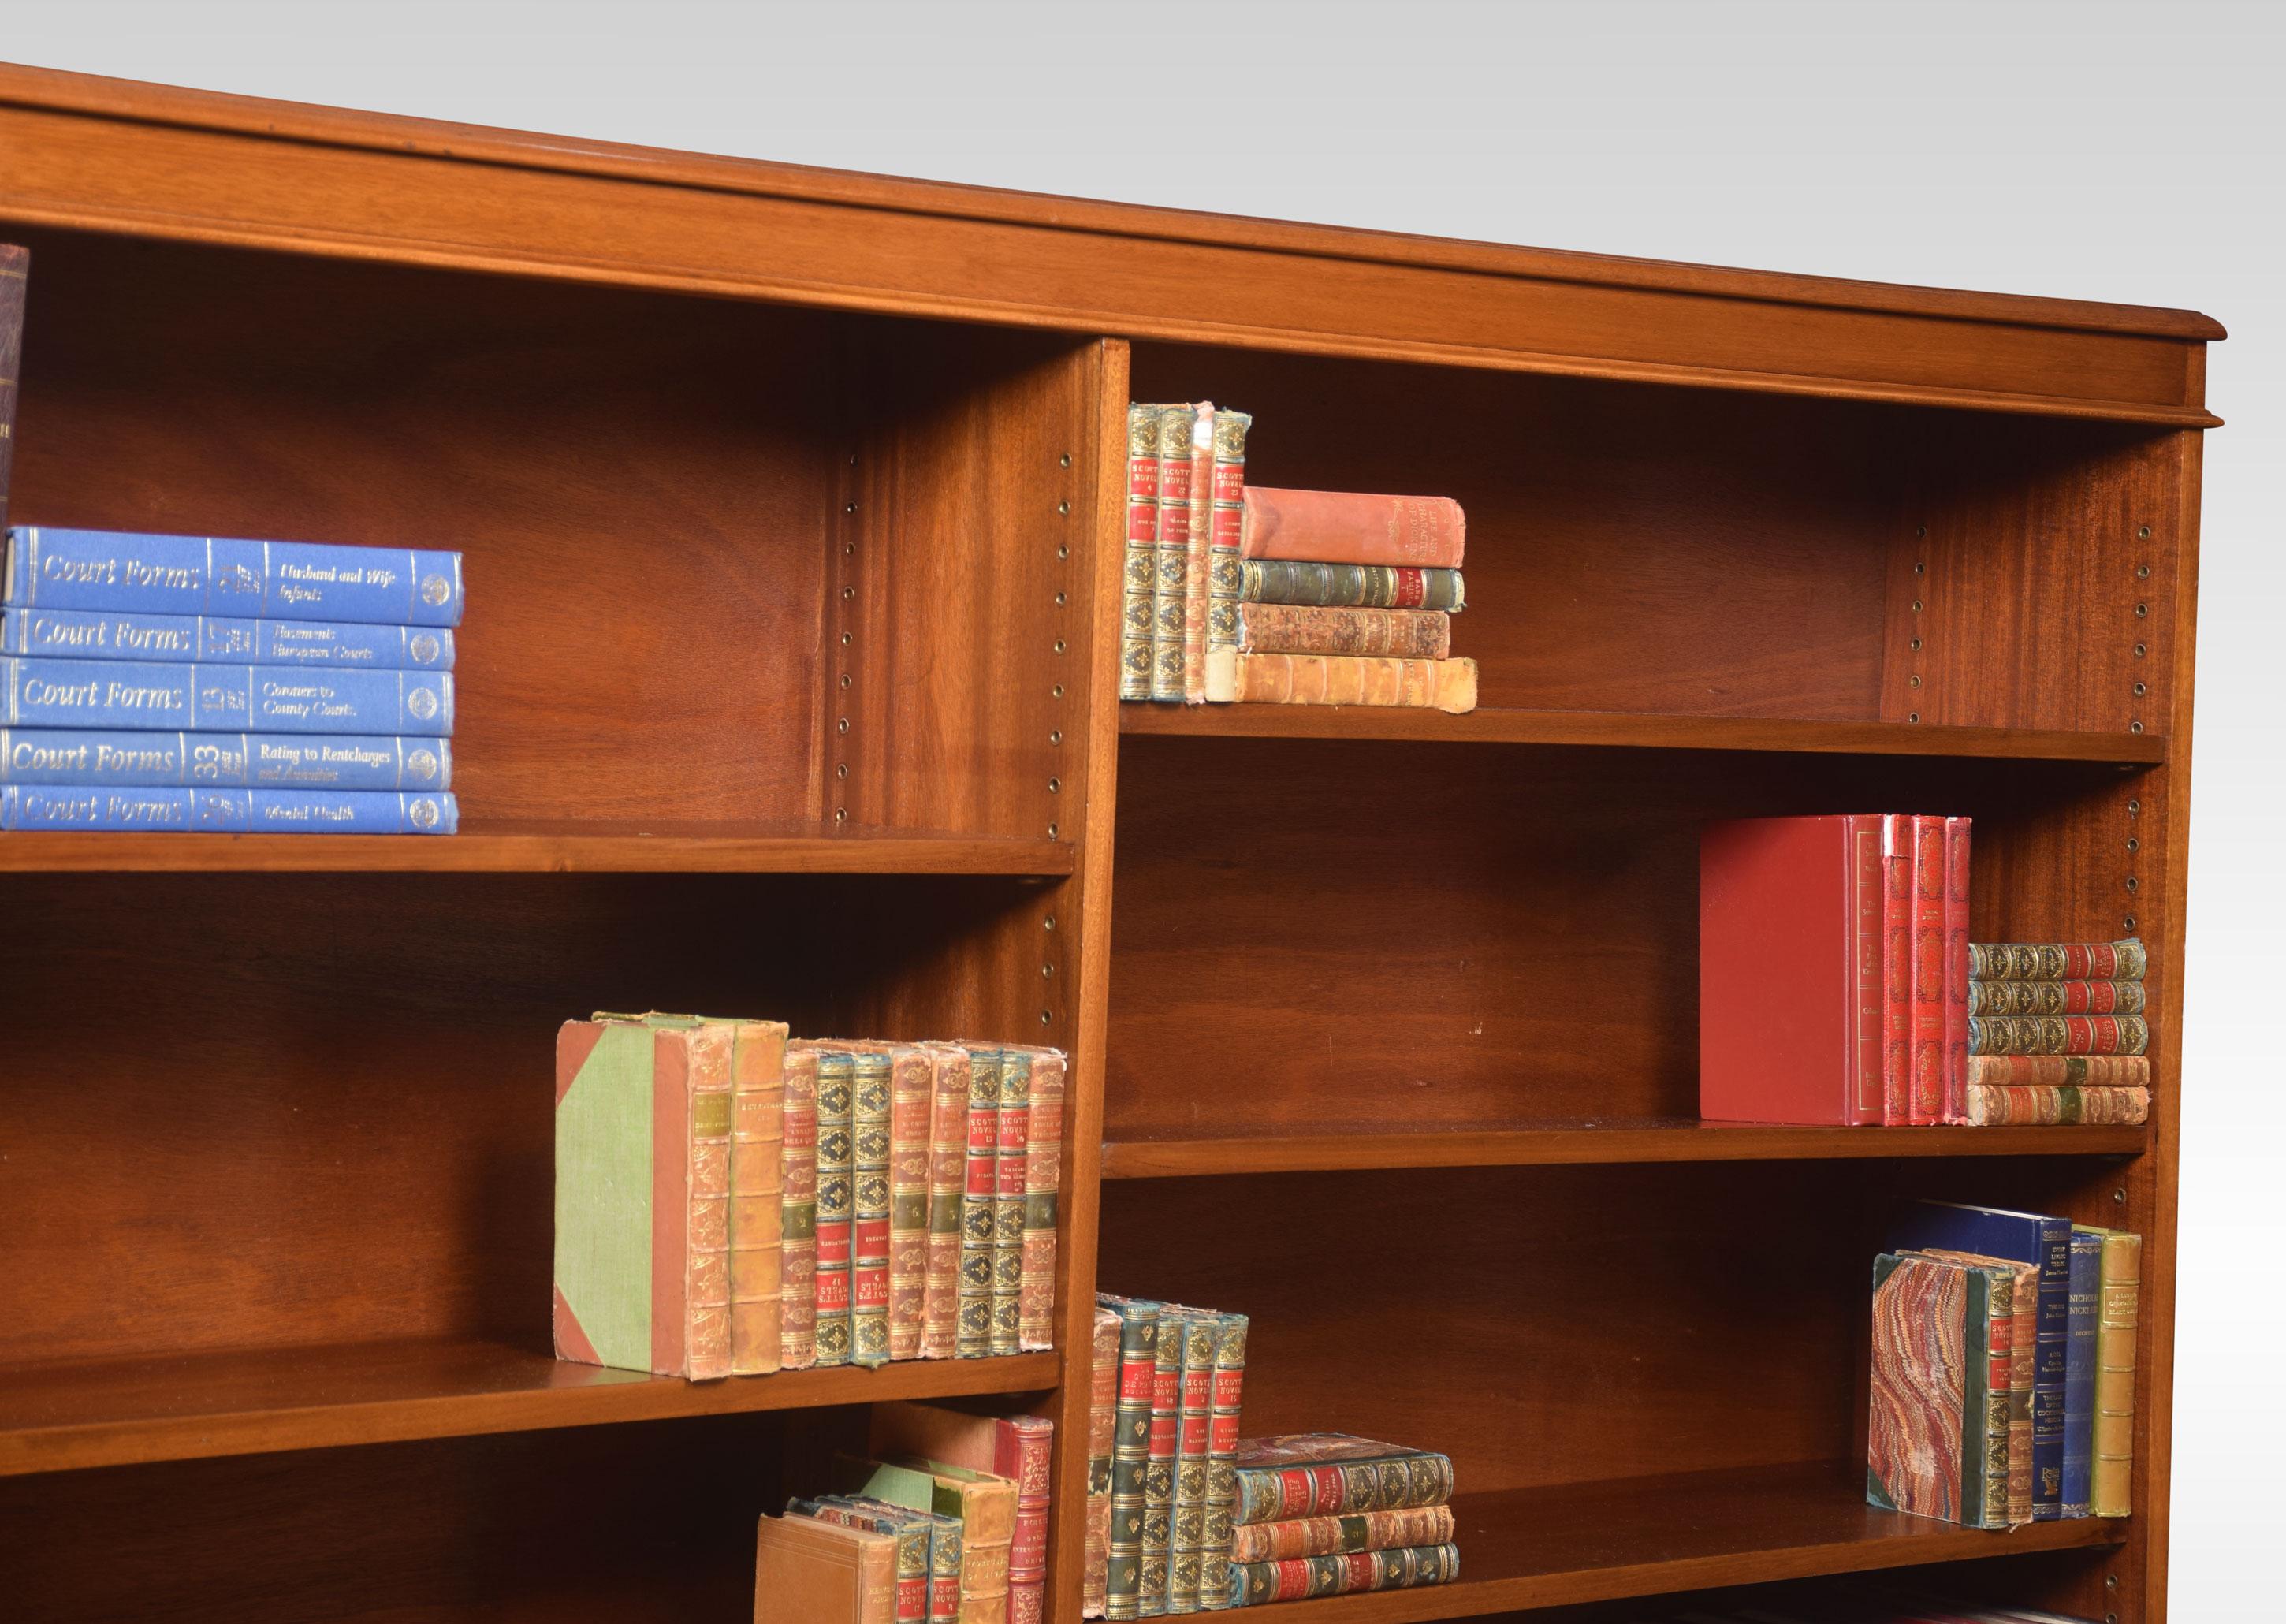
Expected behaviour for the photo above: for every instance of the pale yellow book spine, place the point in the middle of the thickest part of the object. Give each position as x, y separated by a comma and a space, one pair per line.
1448, 685
757, 1140
2112, 1481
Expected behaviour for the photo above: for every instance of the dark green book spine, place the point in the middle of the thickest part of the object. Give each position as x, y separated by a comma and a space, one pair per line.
836, 1201
1013, 1141
1194, 1427
1222, 1479
1301, 1578
1130, 1454
869, 1254
972, 1335
1351, 585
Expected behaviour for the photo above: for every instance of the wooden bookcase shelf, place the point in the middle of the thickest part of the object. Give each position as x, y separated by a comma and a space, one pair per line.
793, 507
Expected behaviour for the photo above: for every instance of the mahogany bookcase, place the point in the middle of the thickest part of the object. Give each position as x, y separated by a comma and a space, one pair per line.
792, 504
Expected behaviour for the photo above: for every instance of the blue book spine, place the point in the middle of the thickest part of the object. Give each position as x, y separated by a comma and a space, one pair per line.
70, 756
87, 633
2022, 1237
141, 694
24, 807
2079, 1369
49, 568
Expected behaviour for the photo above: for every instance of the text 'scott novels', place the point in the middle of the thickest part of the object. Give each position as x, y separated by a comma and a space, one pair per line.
731, 1203
1239, 594
198, 683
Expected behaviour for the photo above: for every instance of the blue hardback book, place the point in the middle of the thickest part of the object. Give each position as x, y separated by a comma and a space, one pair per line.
2020, 1237
139, 695
27, 807
2079, 1368
69, 756
50, 567
89, 633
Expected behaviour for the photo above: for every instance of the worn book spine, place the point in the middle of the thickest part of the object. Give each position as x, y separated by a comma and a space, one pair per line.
2120, 1286
1131, 1455
757, 1194
2033, 1105
1335, 1536
1925, 1095
2040, 1035
1354, 586
1991, 1412
1255, 1584
1896, 968
1044, 1164
1195, 1426
1300, 629
1159, 1477
1010, 1163
948, 1177
706, 1291
227, 811
1198, 562
972, 1335
1140, 571
1102, 1430
1448, 685
2081, 1312
143, 695
905, 1527
84, 758
871, 1100
2023, 1359
1228, 523
1954, 1107
1222, 1445
1173, 550
836, 1175
1349, 527
798, 1214
2057, 961
1930, 1387
15, 268
83, 634
2055, 998
807, 1568
1024, 1451
2060, 1070
1397, 1481
49, 568
913, 1076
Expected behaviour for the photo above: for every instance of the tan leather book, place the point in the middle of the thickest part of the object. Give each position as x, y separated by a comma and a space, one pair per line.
757, 1191
985, 1504
808, 1572
1448, 685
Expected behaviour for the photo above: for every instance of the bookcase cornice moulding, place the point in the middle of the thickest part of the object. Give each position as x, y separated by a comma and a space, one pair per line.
89, 153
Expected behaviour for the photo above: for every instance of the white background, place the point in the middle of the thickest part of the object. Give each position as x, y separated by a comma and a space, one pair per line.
2128, 152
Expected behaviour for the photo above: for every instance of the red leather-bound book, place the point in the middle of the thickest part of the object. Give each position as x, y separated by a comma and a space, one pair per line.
1896, 967
1018, 1448
1924, 1100
1789, 970
1349, 527
1955, 1106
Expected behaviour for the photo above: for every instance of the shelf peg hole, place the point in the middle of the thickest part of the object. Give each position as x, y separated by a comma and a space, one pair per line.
1913, 681
1917, 606
1920, 530
2134, 884
1049, 923
841, 726
1059, 599
2142, 572
1063, 507
1920, 569
1912, 716
845, 679
1046, 971
1052, 831
842, 770
2133, 844
2141, 609
844, 640
1916, 645
2142, 688
2135, 727
841, 814
1055, 735
848, 507
1063, 552
2143, 532
1055, 786
1046, 1018
1067, 458
1057, 692
2135, 807
2119, 1198
2141, 649
2128, 924
848, 593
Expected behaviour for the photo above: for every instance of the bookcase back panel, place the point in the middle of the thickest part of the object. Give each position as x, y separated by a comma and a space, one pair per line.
250, 1111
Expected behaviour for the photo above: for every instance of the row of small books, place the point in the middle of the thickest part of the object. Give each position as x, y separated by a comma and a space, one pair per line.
1236, 594
199, 683
1837, 985
947, 1523
731, 1203
1880, 1610
2003, 1368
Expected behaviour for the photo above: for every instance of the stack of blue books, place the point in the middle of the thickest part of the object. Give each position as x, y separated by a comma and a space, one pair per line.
198, 683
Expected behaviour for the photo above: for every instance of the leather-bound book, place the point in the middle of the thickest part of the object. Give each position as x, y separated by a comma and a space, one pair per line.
1131, 1453
1896, 968
1447, 685
836, 1193
1337, 1536
1222, 1448
1348, 527
2079, 1367
1304, 629
2057, 961
1159, 1474
2023, 1350
984, 1502
1020, 1448
15, 266
869, 1229
1938, 1394
1953, 1106
1173, 551
912, 1076
1010, 1161
948, 1177
2117, 1309
1254, 1583
2052, 998
1334, 1474
1355, 586
798, 1214
2060, 1071
908, 1527
1198, 564
1229, 517
1925, 1058
1790, 970
972, 1335
642, 1194
2034, 1105
2042, 1035
808, 1572
757, 1195
1141, 561
1102, 1422
1193, 1431
1044, 1164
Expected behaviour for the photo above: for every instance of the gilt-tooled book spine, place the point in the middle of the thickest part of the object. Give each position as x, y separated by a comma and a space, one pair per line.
1333, 1474
1954, 1106
79, 633
757, 1195
2055, 998
2060, 1071
798, 1214
1010, 1161
50, 567
15, 266
2079, 1368
1930, 1398
1448, 685
1198, 564
1173, 551
141, 694
2120, 1287
1194, 1427
837, 1178
1338, 1536
29, 806
973, 1337
1141, 570
869, 1235
1102, 1430
84, 758
906, 1528
1023, 1451
2057, 961
1301, 628
2057, 1035
2022, 1349
1222, 1448
2032, 1106
1130, 1454
1351, 585
1350, 527
948, 1177
1255, 1584
1229, 521
709, 1046
911, 1081
1159, 1476
1044, 1165
1896, 968
1925, 1096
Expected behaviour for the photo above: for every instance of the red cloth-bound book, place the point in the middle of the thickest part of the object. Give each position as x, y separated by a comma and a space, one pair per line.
1790, 970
